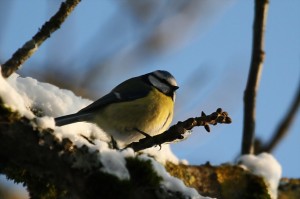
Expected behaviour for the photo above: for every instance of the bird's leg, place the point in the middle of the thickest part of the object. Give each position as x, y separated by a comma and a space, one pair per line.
146, 135
143, 133
88, 139
114, 143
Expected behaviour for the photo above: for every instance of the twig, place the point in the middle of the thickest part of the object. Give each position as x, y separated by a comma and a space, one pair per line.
283, 127
23, 53
176, 131
261, 8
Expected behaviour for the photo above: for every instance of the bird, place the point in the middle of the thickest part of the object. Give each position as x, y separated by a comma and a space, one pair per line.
139, 107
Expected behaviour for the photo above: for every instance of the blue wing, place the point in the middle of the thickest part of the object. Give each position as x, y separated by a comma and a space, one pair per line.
126, 91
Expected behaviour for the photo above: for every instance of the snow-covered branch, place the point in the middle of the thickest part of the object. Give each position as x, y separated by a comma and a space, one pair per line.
60, 169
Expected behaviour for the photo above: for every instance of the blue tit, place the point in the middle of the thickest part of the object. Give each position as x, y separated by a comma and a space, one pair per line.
137, 107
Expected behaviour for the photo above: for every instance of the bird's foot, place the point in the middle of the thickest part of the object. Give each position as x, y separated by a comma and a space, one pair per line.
143, 133
114, 143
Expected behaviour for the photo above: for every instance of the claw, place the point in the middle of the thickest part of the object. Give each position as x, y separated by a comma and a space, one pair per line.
114, 143
88, 139
159, 146
143, 133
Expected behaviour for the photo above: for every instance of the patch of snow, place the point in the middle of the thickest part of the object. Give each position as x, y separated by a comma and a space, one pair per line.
173, 183
49, 98
13, 99
264, 165
45, 122
163, 154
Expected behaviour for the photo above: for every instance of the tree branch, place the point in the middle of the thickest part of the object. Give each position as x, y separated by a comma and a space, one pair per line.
176, 131
23, 53
260, 16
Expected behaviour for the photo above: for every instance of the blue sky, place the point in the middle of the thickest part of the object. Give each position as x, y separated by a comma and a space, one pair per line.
219, 49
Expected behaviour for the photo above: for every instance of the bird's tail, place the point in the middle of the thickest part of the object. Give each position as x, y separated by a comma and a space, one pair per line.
72, 118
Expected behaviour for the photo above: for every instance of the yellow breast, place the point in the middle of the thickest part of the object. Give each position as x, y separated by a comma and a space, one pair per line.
152, 114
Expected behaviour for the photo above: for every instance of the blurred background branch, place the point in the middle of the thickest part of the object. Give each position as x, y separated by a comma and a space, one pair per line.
137, 33
283, 127
25, 52
257, 59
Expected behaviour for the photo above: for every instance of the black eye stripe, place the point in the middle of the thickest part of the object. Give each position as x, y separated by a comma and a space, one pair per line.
162, 80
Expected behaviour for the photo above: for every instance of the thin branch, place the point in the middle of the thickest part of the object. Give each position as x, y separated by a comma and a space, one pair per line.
23, 53
176, 131
283, 127
260, 16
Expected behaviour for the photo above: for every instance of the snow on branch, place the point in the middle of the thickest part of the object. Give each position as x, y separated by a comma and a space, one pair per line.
60, 161
55, 168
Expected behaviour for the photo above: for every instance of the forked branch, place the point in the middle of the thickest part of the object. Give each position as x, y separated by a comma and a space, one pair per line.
284, 125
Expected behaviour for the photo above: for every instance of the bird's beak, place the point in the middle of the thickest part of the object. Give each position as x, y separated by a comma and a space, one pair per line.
175, 88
